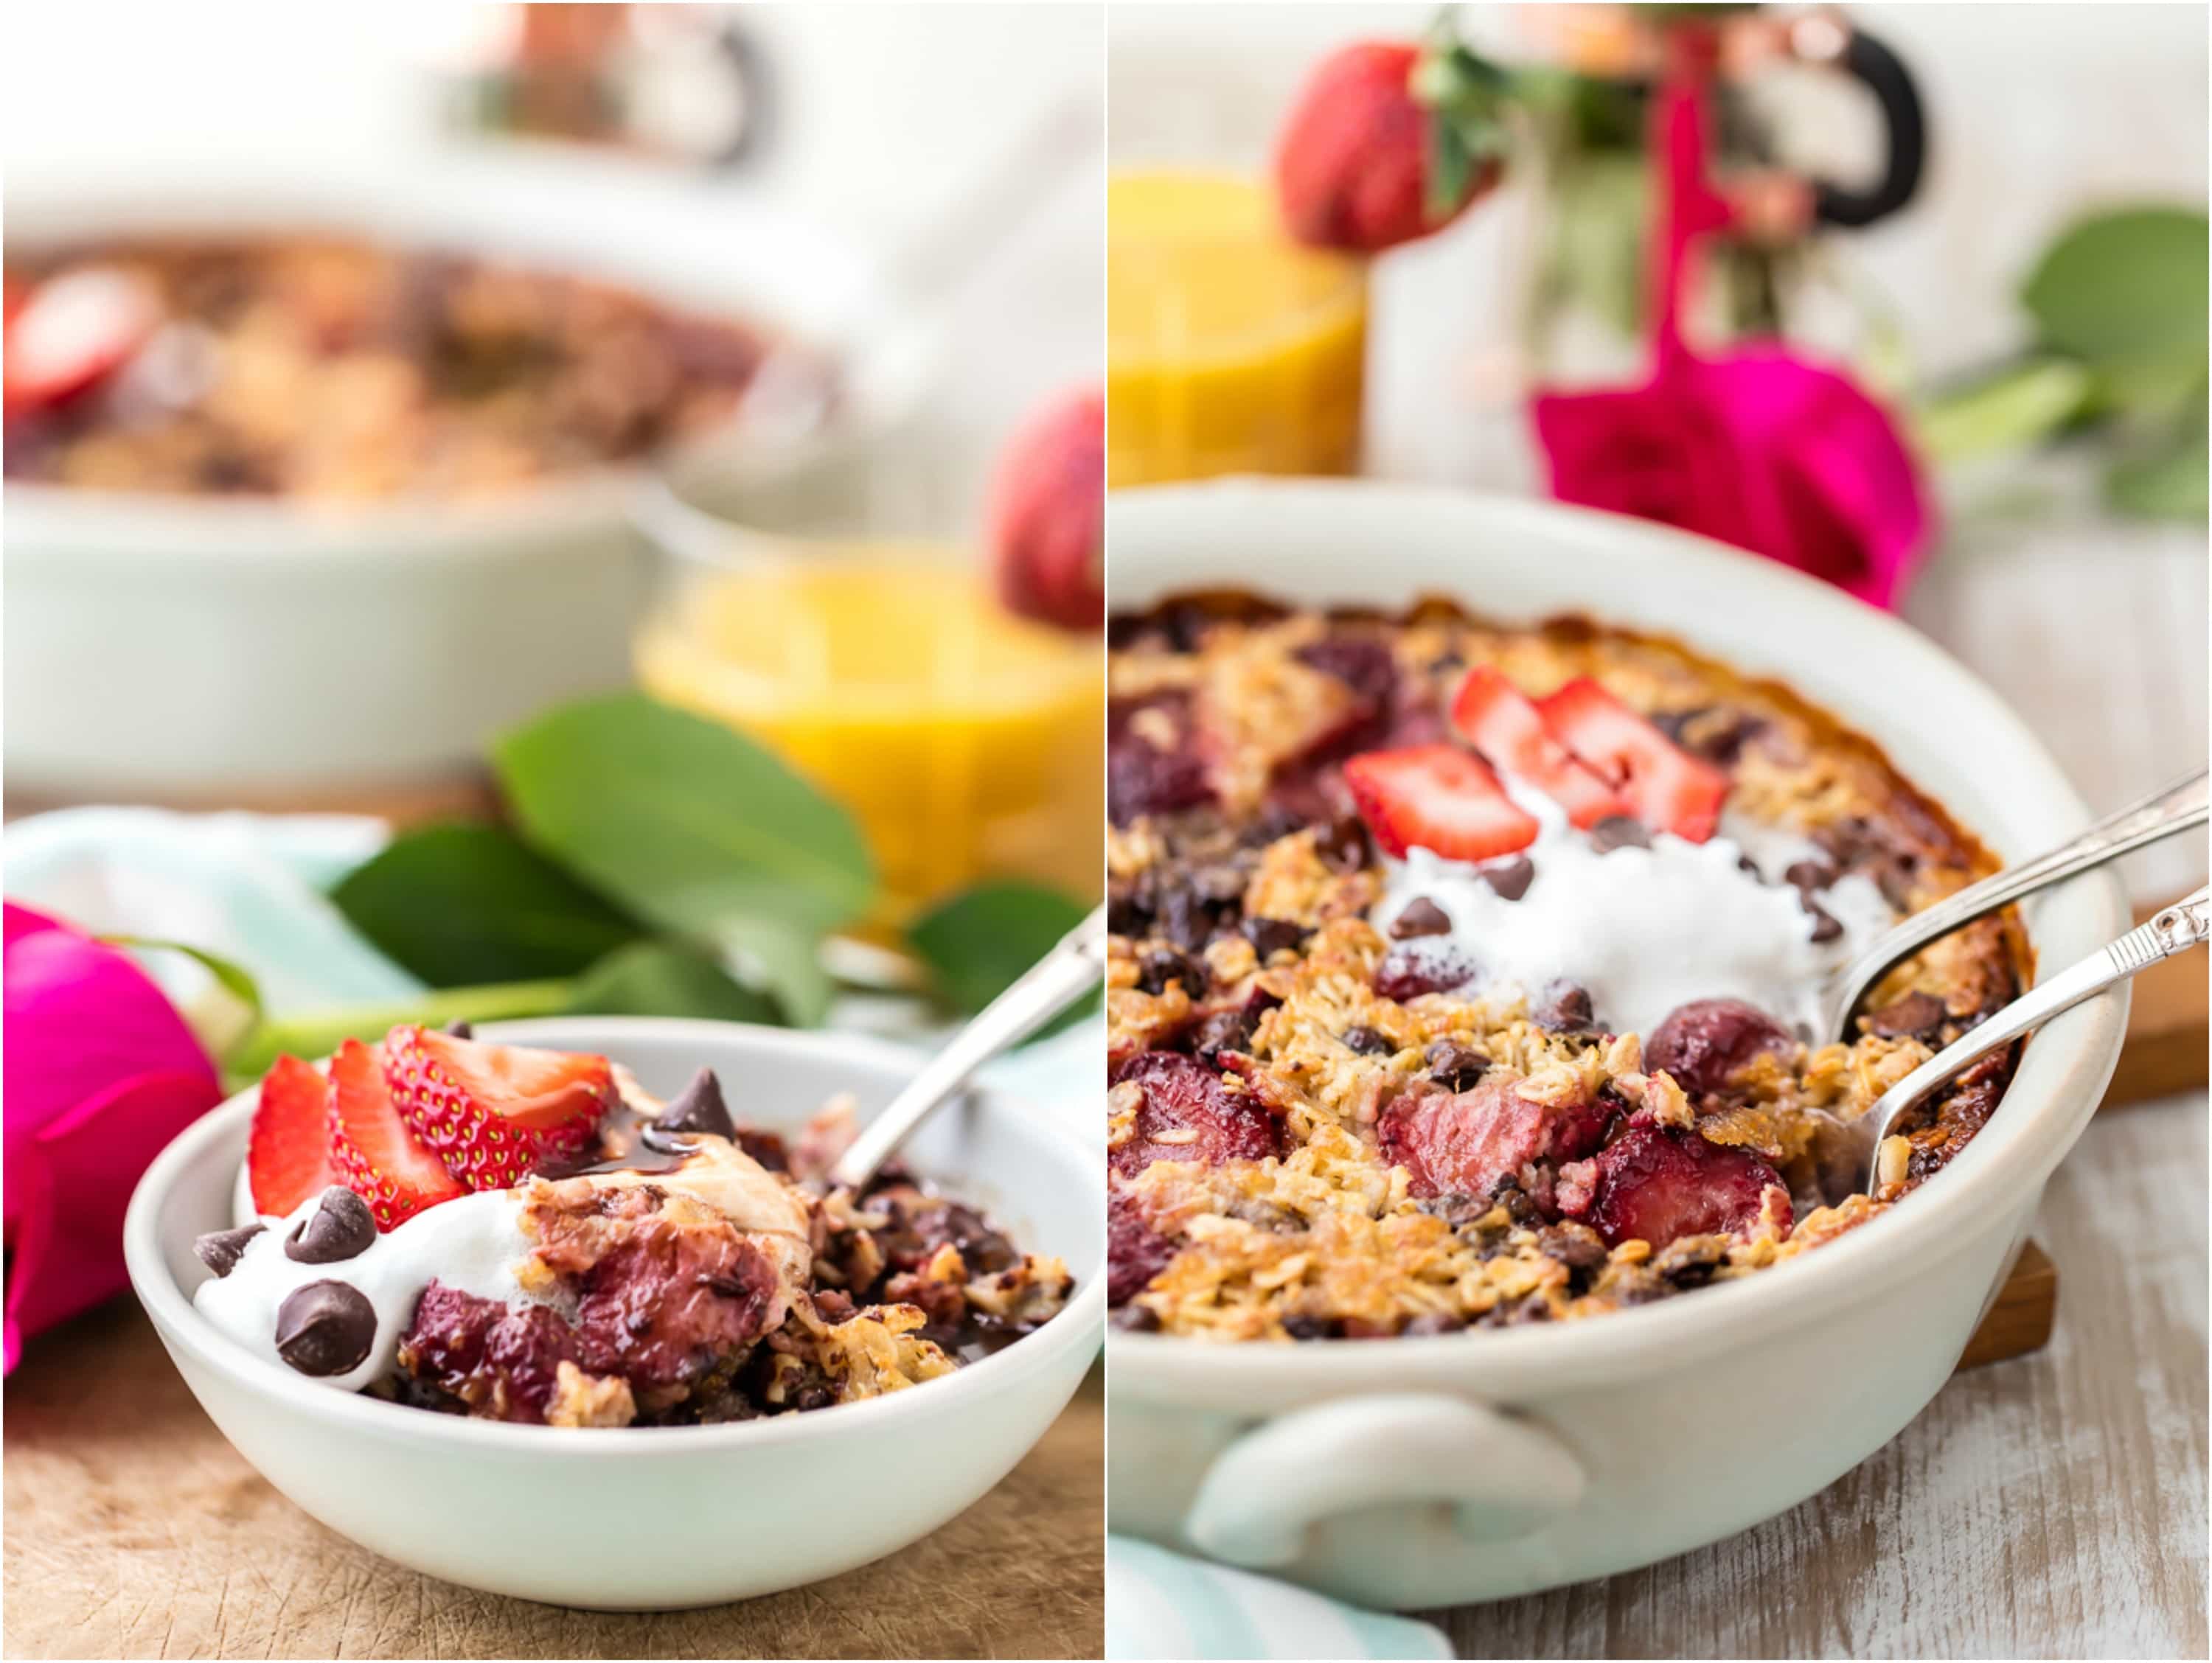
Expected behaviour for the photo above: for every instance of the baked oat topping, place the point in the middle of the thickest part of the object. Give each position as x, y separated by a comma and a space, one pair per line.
1463, 975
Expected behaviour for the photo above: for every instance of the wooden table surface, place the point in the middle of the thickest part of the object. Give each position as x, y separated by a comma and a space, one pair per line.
135, 1530
2050, 1507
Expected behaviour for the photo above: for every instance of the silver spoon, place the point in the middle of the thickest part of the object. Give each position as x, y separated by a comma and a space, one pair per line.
1048, 987
2184, 925
2175, 809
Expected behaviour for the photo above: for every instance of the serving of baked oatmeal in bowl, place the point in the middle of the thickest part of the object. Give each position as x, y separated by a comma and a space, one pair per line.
597, 1263
1477, 869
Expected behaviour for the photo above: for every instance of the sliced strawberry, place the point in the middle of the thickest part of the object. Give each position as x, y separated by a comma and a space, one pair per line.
72, 330
1665, 788
288, 1154
1439, 797
377, 1158
493, 1111
1499, 720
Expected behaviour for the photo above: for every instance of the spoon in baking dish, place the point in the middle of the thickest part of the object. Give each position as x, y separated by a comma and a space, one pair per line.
1048, 987
2175, 809
1866, 1146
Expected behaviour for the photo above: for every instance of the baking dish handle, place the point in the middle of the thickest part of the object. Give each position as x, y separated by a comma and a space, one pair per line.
1506, 1476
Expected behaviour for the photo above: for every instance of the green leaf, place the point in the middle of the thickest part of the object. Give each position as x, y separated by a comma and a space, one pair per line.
667, 978
460, 905
2018, 406
2168, 479
691, 825
787, 961
2125, 292
235, 979
980, 941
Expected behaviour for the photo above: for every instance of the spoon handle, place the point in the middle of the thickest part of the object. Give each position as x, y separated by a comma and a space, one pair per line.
2184, 925
1048, 987
2175, 809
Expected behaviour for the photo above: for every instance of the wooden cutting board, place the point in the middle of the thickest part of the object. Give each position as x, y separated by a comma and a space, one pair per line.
135, 1530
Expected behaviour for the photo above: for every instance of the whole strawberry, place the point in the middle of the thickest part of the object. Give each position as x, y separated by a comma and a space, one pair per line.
1047, 514
1388, 141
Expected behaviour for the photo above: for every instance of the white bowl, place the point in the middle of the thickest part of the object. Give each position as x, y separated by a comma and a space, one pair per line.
665, 1517
1438, 1470
186, 648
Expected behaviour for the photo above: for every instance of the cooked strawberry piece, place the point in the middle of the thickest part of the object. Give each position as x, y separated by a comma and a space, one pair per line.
288, 1154
378, 1158
1502, 722
1187, 1114
1439, 797
1471, 1142
1653, 1183
1705, 1043
1135, 1252
1664, 787
491, 1113
71, 331
1142, 777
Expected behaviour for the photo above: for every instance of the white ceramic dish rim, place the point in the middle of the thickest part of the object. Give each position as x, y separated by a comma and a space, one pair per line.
1076, 1323
121, 529
2070, 1059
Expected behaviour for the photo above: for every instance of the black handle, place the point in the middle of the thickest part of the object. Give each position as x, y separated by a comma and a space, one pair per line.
1885, 76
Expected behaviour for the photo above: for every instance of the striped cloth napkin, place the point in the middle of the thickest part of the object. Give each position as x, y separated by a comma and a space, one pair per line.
1161, 1604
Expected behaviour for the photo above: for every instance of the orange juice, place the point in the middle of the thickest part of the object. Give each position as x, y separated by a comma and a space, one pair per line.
968, 743
1229, 348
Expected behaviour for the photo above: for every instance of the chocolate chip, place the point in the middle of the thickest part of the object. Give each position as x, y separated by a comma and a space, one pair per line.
1419, 917
341, 1227
1744, 863
1825, 926
1617, 831
1164, 965
1367, 1042
1270, 936
219, 1250
461, 1029
1564, 1007
1136, 1320
1224, 1030
1511, 878
1455, 1065
1809, 875
1343, 845
1436, 1322
1309, 1328
1916, 1015
325, 1328
698, 1108
812, 1397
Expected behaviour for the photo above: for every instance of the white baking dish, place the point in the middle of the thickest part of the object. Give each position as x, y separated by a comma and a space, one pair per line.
194, 648
1438, 1470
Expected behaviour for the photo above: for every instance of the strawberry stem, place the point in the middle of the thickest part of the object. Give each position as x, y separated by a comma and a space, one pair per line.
320, 1033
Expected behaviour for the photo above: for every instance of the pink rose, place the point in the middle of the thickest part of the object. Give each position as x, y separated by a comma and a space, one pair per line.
1760, 449
100, 1072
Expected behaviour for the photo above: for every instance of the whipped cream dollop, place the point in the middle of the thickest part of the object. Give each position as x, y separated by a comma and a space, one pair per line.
1642, 930
472, 1242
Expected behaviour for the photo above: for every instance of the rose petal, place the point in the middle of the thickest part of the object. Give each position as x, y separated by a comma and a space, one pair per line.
80, 1170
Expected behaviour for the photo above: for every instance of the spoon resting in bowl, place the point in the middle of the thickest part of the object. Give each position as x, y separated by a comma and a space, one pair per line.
1866, 1147
2175, 809
1054, 982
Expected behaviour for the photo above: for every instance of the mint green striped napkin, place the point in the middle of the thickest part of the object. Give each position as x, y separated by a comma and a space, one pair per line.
1161, 1604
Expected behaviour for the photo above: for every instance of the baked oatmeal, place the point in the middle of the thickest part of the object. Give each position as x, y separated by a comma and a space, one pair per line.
1466, 975
324, 368
526, 1235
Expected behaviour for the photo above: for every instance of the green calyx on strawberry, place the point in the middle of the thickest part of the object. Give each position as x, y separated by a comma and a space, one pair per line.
1580, 746
1387, 142
419, 1120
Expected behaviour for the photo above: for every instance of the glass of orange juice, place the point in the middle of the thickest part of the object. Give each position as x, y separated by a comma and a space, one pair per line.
968, 743
1230, 349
